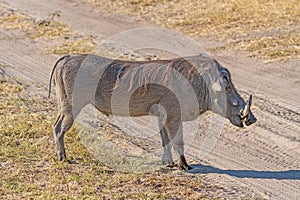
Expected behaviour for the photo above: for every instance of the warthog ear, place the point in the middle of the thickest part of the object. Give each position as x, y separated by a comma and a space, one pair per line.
226, 76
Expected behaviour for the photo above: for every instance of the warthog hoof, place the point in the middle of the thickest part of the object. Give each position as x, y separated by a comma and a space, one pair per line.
182, 165
170, 165
167, 160
61, 155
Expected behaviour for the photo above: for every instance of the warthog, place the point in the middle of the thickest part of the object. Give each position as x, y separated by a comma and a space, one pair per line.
183, 87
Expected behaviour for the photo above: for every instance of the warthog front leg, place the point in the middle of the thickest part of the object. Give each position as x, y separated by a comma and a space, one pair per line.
175, 131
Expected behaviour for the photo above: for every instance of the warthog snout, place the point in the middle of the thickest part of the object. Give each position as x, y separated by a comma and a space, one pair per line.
250, 119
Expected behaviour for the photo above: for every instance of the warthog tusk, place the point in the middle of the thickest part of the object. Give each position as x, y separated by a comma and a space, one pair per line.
247, 107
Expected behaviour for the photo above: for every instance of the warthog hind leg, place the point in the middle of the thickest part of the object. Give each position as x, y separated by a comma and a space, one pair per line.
63, 123
167, 156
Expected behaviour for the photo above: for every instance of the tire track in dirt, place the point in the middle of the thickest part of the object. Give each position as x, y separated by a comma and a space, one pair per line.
24, 59
283, 70
277, 110
245, 160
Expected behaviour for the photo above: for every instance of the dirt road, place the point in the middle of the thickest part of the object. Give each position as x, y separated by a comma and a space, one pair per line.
260, 161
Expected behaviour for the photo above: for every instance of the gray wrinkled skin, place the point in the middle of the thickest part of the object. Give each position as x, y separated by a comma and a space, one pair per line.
184, 87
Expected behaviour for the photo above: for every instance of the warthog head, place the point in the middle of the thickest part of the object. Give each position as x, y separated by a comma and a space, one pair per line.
226, 101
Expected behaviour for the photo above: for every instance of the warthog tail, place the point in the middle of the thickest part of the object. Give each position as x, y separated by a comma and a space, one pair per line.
52, 72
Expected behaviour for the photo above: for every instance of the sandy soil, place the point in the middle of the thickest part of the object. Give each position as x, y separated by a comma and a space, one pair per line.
260, 161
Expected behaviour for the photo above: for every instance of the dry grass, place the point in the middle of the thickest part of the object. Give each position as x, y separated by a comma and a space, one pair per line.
69, 41
48, 29
12, 20
222, 20
283, 47
276, 47
81, 45
30, 171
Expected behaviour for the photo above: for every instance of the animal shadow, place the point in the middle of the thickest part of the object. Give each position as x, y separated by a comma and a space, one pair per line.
278, 175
